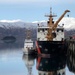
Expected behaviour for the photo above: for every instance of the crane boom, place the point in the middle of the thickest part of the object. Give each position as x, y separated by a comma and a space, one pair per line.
53, 25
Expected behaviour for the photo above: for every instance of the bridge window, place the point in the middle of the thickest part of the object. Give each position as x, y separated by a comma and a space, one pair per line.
57, 30
40, 30
62, 30
48, 22
45, 29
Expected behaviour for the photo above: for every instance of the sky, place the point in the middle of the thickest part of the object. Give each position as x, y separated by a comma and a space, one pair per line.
34, 10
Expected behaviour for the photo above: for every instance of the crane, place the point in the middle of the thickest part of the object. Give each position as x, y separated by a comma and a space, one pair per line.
52, 26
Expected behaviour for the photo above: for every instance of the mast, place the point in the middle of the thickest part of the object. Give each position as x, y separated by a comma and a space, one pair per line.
28, 34
50, 22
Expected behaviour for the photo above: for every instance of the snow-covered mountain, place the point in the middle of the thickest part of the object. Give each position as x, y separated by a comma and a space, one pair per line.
69, 23
16, 24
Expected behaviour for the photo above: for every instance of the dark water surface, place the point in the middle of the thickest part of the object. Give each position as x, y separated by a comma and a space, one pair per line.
14, 62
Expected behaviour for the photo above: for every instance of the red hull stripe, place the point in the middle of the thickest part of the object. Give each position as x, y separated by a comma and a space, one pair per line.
38, 62
39, 52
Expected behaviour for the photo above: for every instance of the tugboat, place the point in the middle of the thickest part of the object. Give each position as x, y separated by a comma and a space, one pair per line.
28, 44
50, 37
28, 47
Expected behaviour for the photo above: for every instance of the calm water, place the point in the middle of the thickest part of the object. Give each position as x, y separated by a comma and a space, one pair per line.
14, 62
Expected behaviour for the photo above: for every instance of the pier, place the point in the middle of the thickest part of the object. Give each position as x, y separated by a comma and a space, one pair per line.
71, 55
71, 46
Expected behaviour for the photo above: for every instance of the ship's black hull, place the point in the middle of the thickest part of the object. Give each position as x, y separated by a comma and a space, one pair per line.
51, 47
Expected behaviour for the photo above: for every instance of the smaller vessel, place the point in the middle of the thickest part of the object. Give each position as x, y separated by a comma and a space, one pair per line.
28, 44
28, 47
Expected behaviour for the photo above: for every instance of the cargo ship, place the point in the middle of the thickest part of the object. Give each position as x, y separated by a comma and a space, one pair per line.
50, 37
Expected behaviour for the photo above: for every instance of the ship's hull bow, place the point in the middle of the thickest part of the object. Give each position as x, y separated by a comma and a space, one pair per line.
51, 47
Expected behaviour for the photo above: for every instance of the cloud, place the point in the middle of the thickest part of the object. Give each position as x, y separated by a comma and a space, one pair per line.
10, 21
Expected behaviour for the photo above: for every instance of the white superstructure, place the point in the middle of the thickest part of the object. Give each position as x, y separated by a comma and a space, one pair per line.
28, 46
42, 32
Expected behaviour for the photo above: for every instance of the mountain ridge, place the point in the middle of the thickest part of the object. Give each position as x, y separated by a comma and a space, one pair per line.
69, 23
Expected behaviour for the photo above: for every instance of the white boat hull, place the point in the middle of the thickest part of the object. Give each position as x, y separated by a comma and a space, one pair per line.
29, 51
28, 47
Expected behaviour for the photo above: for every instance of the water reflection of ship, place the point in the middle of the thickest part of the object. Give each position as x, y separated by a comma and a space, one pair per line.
29, 62
51, 66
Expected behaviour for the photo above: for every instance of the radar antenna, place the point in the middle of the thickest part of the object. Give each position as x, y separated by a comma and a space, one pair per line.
50, 15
